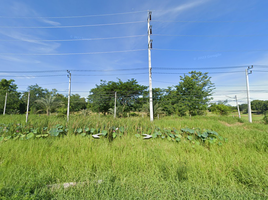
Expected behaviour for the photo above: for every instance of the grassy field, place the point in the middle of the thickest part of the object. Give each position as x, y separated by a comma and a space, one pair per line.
132, 168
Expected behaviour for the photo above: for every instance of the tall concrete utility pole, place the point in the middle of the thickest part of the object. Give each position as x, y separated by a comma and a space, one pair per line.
238, 110
27, 111
150, 66
248, 71
115, 105
4, 112
69, 95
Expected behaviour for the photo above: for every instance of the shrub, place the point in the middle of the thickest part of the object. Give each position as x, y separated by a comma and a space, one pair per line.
265, 119
220, 109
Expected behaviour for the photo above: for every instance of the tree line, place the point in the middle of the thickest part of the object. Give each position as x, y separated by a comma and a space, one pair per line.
41, 99
191, 96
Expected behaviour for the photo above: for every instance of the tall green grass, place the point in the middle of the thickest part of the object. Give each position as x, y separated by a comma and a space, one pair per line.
132, 168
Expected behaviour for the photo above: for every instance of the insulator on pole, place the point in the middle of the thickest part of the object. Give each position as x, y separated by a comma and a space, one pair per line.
151, 44
150, 15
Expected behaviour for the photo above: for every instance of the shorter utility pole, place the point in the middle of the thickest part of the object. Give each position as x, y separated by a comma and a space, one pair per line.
238, 110
115, 105
28, 102
249, 71
4, 112
69, 95
149, 31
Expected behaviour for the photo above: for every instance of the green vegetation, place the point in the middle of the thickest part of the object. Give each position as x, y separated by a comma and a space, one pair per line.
128, 167
190, 97
128, 94
220, 108
192, 153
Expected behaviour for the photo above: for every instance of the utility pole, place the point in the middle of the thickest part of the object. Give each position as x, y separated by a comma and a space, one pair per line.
28, 102
238, 110
249, 71
69, 95
150, 66
4, 112
115, 105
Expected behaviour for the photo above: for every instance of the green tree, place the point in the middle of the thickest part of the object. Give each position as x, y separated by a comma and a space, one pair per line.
194, 93
220, 108
156, 109
49, 103
243, 108
169, 101
77, 103
128, 96
36, 92
14, 104
259, 105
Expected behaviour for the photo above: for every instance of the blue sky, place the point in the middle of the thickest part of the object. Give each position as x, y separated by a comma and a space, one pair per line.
215, 36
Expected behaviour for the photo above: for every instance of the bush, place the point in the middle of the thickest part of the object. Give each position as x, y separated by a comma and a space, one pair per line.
220, 109
265, 119
134, 114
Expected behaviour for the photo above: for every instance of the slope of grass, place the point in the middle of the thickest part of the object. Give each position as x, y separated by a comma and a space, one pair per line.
132, 168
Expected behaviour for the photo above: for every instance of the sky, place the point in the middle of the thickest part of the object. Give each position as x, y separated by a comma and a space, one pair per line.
107, 40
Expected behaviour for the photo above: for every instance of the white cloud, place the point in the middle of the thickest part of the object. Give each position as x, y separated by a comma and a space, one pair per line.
175, 11
15, 59
50, 22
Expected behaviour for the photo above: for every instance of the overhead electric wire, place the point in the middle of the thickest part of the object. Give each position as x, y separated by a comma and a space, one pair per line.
75, 70
29, 76
67, 54
110, 74
74, 26
167, 35
73, 75
74, 16
108, 70
209, 73
73, 40
187, 68
203, 50
25, 72
209, 21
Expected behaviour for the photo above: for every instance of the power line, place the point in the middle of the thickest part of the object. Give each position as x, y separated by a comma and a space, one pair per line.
110, 74
75, 26
208, 73
29, 76
187, 68
76, 75
74, 70
108, 70
25, 72
65, 54
74, 40
208, 21
202, 50
70, 17
256, 35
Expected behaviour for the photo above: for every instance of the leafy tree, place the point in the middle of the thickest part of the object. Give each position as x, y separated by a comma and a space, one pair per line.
49, 103
77, 103
128, 95
14, 104
243, 108
194, 93
259, 105
36, 92
170, 103
156, 109
220, 108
